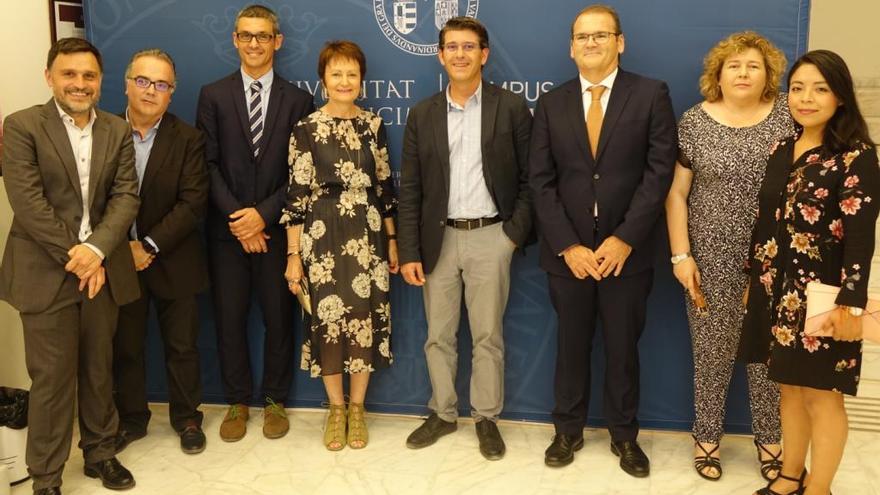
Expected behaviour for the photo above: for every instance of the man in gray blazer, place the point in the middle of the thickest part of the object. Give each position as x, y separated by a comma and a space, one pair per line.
464, 209
70, 176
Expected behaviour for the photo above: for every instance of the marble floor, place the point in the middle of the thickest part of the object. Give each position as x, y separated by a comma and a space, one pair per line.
299, 464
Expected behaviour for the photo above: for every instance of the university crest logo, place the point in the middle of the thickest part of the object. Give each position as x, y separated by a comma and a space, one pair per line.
412, 25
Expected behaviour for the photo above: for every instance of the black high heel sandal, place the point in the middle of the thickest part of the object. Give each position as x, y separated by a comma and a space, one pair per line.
798, 491
768, 465
701, 462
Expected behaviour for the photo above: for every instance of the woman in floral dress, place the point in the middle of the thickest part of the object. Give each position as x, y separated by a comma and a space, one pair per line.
339, 198
816, 221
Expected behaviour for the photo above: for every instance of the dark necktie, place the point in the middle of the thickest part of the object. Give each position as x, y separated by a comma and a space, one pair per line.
256, 116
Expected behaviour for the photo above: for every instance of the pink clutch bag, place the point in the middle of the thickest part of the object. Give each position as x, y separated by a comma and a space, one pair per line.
820, 304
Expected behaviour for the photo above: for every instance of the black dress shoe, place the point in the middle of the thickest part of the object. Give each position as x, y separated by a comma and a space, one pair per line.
125, 437
48, 491
491, 444
632, 459
432, 429
192, 439
113, 475
561, 451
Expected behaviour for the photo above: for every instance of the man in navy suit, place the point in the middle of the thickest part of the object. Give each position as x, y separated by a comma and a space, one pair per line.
247, 118
601, 161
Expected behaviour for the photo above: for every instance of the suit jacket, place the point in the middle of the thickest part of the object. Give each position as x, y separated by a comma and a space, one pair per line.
424, 183
629, 178
237, 179
174, 193
44, 191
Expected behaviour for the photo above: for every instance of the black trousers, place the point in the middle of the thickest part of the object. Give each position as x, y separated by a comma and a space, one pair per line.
236, 276
179, 326
620, 304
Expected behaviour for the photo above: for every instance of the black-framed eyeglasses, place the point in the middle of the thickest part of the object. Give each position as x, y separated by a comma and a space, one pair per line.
246, 37
467, 47
144, 83
600, 37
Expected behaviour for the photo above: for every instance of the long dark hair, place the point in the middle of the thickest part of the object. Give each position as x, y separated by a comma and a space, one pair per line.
847, 127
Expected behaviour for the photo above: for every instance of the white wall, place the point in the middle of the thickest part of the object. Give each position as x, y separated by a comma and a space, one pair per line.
24, 41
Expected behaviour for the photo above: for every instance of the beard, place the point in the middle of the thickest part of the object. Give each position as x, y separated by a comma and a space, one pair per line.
72, 106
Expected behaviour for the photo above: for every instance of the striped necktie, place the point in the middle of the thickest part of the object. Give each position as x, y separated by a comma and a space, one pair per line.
256, 115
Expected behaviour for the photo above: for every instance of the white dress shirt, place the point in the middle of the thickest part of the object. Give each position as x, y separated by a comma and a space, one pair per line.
81, 145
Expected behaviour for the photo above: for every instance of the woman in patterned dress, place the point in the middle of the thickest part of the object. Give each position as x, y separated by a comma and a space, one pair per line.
723, 146
816, 221
339, 198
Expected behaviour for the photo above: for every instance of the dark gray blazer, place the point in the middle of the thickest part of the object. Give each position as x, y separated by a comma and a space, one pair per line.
424, 183
43, 188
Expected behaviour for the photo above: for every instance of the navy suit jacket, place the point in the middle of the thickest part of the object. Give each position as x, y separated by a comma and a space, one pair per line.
237, 179
629, 178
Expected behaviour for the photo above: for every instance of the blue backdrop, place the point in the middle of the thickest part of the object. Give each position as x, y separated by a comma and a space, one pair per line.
529, 55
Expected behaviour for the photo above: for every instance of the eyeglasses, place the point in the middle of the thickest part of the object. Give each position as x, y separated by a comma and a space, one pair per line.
600, 37
144, 83
467, 47
246, 37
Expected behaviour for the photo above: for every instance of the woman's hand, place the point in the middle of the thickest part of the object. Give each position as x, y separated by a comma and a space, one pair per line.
393, 265
294, 273
746, 297
845, 326
688, 276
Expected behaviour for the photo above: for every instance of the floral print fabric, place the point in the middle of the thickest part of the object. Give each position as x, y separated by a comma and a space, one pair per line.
340, 189
816, 222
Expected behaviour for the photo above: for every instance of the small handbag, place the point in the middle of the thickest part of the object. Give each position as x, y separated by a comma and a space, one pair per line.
303, 296
821, 302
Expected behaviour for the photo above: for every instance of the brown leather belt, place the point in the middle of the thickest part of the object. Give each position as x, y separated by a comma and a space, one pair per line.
472, 223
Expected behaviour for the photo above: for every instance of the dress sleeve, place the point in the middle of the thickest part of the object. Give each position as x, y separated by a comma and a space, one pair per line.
857, 195
301, 175
384, 183
685, 141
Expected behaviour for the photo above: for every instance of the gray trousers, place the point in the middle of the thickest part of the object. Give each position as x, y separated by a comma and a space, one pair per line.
69, 355
479, 262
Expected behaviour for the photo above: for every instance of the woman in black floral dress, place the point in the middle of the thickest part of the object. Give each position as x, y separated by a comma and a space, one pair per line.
817, 212
341, 237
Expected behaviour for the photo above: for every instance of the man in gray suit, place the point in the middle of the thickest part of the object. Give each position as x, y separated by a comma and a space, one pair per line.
70, 176
464, 209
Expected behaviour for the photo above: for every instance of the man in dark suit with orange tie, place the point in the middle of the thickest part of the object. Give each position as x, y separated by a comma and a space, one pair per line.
168, 253
247, 118
601, 160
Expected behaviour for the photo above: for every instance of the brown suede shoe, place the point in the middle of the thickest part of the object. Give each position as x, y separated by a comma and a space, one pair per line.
275, 423
234, 424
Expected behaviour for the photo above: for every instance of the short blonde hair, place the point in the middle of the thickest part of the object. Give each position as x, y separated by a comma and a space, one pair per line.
774, 63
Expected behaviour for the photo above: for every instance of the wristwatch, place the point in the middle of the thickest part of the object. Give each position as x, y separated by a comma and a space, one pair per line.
854, 311
678, 258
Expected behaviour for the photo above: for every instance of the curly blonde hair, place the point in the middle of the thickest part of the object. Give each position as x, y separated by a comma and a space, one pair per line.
774, 63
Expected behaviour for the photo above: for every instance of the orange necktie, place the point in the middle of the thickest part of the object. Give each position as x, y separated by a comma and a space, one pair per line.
594, 117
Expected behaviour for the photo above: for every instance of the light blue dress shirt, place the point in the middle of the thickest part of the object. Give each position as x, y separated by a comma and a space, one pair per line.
468, 195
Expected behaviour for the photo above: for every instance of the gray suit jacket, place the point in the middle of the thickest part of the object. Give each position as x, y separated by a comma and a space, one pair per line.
43, 188
424, 184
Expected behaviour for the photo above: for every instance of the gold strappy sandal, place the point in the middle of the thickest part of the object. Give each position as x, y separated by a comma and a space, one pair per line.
334, 429
358, 436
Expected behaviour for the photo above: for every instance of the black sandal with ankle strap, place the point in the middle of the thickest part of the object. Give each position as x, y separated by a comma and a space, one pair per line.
701, 462
768, 465
798, 491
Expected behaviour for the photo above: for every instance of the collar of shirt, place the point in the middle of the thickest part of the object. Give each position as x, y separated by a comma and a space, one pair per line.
476, 98
587, 97
150, 133
67, 119
266, 80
